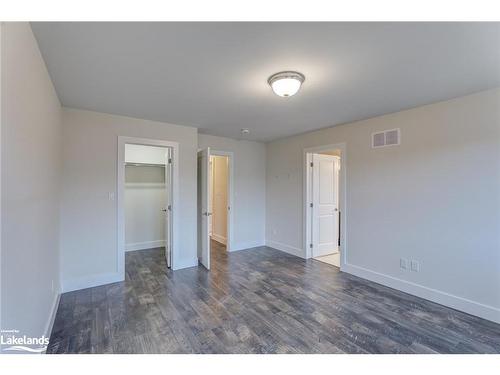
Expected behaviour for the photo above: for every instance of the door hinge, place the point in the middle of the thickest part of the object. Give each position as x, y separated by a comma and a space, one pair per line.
312, 164
311, 245
311, 205
169, 160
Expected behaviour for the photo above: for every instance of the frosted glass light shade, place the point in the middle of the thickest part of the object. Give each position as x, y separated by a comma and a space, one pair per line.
286, 84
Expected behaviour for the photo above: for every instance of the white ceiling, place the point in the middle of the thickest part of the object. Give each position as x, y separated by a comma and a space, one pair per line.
213, 75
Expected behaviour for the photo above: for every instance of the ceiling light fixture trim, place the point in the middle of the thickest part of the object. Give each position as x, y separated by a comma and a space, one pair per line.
287, 83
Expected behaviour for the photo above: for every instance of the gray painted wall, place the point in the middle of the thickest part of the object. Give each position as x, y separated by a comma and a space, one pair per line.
31, 174
89, 217
249, 188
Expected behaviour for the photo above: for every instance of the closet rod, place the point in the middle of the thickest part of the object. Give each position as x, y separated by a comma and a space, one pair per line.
129, 164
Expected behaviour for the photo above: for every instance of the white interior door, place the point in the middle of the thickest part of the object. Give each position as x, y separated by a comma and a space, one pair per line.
204, 205
325, 213
168, 208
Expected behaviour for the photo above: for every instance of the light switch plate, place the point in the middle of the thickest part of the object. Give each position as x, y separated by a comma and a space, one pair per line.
415, 265
403, 263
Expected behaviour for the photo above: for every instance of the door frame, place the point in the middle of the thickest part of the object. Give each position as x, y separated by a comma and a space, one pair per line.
314, 198
120, 209
230, 190
307, 198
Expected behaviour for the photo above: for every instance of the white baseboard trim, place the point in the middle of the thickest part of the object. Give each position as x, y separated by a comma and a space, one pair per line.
90, 281
97, 280
52, 316
144, 245
286, 248
443, 298
245, 245
218, 238
186, 263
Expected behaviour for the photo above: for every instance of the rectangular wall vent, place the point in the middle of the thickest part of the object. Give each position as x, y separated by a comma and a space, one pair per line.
378, 139
386, 138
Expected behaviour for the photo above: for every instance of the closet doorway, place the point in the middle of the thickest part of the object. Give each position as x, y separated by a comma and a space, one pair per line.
146, 197
215, 173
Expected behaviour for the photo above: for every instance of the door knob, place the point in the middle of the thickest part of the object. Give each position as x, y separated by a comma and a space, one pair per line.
207, 213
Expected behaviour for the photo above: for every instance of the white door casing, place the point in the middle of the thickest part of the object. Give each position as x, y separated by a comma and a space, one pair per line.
211, 194
168, 208
325, 213
120, 217
204, 207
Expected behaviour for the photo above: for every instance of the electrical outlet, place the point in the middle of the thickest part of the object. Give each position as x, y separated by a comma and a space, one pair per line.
403, 263
111, 196
415, 265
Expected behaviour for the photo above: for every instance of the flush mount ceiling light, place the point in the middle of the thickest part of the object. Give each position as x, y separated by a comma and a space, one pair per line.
245, 131
286, 84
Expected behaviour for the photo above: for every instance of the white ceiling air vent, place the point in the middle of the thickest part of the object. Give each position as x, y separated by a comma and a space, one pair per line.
386, 138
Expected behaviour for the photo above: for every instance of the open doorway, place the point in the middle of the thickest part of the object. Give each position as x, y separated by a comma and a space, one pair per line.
214, 204
323, 205
218, 190
147, 196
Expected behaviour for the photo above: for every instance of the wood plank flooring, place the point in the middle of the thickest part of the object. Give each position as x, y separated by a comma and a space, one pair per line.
258, 301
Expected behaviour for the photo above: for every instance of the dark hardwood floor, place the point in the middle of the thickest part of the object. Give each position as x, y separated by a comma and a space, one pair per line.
258, 301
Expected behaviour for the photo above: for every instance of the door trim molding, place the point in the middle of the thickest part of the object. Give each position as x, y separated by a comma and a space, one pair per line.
315, 208
120, 192
307, 198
